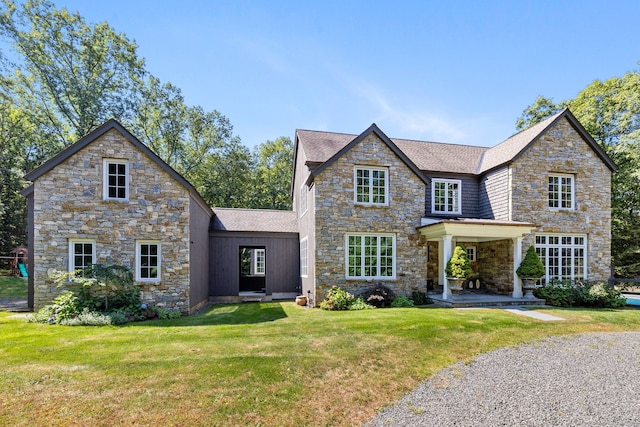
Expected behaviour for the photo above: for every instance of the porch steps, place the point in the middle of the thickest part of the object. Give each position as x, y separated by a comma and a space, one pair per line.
468, 299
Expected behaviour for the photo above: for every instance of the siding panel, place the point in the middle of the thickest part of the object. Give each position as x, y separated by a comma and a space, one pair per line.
494, 195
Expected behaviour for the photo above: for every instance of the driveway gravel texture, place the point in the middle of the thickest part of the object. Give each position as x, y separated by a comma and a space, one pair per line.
574, 380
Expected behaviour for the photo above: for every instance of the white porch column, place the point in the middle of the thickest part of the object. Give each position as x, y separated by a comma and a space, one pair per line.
444, 253
517, 258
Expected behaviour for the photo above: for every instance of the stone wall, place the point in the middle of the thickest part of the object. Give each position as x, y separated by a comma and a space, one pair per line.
68, 204
562, 150
336, 214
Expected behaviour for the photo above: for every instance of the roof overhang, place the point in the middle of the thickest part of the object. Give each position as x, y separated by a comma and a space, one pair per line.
474, 230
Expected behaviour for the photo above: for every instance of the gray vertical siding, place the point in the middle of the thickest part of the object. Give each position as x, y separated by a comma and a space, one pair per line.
32, 249
282, 262
198, 254
494, 195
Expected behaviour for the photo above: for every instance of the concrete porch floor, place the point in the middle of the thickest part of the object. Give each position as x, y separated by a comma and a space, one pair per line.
481, 299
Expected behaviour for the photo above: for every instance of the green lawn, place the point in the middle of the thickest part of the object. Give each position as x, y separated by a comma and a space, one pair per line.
13, 287
252, 364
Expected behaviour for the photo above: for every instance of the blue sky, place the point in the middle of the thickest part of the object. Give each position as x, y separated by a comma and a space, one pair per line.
448, 71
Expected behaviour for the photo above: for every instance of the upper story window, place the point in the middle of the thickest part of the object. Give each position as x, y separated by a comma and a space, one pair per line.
561, 191
304, 190
82, 253
371, 186
115, 180
446, 196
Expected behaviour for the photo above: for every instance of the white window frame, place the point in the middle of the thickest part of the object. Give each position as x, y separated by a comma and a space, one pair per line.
105, 178
362, 265
559, 196
370, 187
448, 189
472, 253
304, 257
304, 194
554, 248
139, 266
72, 253
258, 262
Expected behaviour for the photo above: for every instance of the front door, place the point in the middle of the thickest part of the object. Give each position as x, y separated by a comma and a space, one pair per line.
253, 268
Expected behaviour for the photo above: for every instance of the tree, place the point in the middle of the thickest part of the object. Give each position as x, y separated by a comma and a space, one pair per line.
78, 75
273, 174
537, 112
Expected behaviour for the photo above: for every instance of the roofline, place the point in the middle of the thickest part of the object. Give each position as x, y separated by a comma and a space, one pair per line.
575, 123
371, 129
97, 133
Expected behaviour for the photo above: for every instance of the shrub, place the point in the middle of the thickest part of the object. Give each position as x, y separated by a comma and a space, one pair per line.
378, 296
531, 267
420, 298
163, 313
459, 265
359, 304
88, 318
583, 294
337, 299
401, 301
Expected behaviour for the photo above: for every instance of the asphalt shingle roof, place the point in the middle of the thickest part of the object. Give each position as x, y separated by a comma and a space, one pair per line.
256, 220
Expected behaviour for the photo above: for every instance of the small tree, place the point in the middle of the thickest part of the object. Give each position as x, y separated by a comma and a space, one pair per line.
459, 265
531, 267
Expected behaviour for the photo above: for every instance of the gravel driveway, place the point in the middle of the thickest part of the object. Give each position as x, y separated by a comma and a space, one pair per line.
578, 380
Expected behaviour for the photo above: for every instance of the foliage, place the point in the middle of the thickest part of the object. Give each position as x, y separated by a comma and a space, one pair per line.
94, 318
420, 298
531, 267
580, 294
165, 314
274, 161
337, 299
401, 301
378, 296
459, 265
359, 304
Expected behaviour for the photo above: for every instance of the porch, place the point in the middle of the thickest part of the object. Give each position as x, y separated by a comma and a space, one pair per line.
496, 266
467, 299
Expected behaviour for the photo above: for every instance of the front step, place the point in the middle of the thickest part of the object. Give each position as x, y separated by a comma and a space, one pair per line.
468, 299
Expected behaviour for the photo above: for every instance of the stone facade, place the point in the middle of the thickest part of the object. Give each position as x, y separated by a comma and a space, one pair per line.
336, 215
68, 204
562, 150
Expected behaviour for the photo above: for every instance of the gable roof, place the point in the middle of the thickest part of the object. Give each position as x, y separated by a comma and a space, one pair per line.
97, 133
514, 146
256, 220
324, 147
321, 145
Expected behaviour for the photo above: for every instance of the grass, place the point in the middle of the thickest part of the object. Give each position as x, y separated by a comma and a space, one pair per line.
13, 287
253, 364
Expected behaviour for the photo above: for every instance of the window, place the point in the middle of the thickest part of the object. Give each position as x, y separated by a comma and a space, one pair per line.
115, 180
304, 257
258, 262
564, 256
82, 253
471, 253
371, 186
303, 199
445, 196
561, 192
148, 261
370, 256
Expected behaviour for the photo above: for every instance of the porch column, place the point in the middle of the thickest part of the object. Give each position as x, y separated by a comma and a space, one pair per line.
517, 258
444, 253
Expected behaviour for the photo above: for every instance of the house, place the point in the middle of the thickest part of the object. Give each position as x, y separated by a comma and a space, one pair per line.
368, 209
372, 209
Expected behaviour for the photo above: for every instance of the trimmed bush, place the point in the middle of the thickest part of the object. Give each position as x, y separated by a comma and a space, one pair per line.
531, 267
459, 265
581, 294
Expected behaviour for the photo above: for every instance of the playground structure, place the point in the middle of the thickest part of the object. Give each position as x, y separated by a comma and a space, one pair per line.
18, 261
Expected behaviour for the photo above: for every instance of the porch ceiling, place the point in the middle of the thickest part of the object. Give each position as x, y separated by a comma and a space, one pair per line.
474, 230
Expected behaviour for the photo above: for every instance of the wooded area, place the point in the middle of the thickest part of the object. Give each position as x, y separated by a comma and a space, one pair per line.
63, 77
